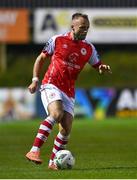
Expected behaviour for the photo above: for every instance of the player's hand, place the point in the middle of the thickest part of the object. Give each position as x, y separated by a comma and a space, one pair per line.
104, 68
33, 87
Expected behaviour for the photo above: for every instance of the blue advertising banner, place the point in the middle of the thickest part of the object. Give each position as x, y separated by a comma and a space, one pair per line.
99, 103
94, 102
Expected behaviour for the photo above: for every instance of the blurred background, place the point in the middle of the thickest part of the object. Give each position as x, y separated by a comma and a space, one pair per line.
25, 26
104, 133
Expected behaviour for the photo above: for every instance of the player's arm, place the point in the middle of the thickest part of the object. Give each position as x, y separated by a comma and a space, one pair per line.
36, 72
97, 64
46, 52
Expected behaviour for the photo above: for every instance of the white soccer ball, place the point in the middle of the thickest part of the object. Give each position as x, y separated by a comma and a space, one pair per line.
64, 159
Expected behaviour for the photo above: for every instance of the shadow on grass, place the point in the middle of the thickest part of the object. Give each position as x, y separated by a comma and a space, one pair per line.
105, 168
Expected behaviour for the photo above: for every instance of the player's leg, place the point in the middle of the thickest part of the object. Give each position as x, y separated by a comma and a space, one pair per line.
42, 135
62, 137
55, 113
65, 126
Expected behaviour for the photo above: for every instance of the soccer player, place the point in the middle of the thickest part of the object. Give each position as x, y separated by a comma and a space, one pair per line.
68, 53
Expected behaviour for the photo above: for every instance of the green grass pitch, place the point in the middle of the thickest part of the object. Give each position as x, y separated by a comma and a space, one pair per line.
103, 149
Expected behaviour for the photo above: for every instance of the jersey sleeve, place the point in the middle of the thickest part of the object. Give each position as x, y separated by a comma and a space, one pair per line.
94, 59
49, 46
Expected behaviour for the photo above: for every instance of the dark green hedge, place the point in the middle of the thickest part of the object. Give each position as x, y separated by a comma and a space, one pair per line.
124, 71
122, 62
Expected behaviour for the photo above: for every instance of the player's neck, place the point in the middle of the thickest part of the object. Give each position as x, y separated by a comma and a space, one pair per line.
72, 35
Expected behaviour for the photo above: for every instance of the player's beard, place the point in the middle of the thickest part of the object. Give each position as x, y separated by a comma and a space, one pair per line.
78, 36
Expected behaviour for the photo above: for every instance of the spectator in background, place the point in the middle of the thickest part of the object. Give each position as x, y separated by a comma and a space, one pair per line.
8, 108
68, 53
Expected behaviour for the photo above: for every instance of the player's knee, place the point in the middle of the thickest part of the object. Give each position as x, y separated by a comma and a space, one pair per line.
66, 131
57, 115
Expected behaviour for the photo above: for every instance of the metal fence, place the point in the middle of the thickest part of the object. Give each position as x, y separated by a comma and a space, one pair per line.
68, 3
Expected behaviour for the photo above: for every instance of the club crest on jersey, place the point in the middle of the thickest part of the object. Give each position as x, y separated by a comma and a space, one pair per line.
83, 51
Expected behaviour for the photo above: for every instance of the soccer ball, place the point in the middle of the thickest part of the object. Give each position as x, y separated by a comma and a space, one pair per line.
64, 159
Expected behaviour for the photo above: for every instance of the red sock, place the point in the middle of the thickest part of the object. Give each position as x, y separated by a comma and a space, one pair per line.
43, 133
60, 143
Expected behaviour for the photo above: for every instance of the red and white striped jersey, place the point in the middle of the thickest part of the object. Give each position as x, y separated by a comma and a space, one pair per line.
68, 58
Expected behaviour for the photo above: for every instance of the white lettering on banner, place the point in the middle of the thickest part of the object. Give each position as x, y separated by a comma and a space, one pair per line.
127, 100
8, 17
